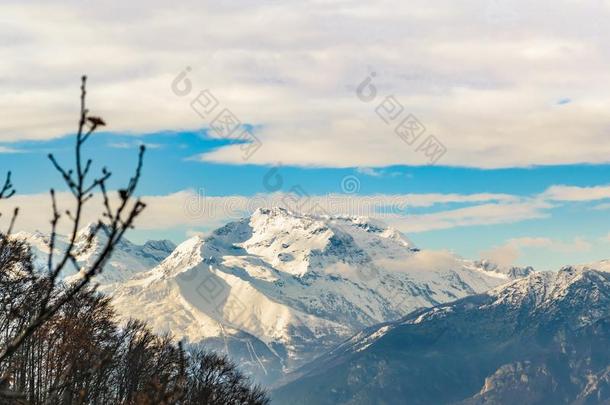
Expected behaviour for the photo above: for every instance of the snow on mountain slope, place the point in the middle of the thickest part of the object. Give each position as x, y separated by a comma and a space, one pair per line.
128, 259
541, 339
299, 284
578, 295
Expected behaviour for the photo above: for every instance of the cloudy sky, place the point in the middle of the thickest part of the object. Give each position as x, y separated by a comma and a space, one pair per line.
475, 126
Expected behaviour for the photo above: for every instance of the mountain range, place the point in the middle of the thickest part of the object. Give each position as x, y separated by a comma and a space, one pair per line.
127, 260
346, 310
539, 340
277, 289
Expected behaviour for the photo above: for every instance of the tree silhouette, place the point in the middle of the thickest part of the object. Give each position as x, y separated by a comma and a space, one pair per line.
62, 343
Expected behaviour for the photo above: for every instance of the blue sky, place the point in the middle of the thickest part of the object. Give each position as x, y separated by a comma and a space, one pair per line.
172, 165
567, 232
344, 94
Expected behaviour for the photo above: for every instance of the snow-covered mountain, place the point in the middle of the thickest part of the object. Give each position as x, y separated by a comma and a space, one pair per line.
278, 288
128, 259
539, 340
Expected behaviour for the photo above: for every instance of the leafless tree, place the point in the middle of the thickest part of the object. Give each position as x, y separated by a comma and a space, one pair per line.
114, 221
214, 380
61, 343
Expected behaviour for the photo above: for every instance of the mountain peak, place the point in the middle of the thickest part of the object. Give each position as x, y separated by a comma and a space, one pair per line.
363, 221
93, 231
336, 223
273, 211
127, 259
300, 283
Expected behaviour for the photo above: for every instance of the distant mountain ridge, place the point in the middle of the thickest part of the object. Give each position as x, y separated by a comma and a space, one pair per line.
128, 259
539, 340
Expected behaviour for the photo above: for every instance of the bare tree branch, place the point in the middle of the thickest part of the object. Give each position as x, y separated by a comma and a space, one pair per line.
7, 190
114, 222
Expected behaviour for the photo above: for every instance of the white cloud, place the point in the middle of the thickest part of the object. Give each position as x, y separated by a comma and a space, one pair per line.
602, 207
483, 78
508, 253
133, 145
483, 214
425, 262
190, 209
369, 171
5, 149
574, 193
427, 200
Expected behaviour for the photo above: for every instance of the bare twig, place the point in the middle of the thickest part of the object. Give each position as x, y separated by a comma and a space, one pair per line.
7, 190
